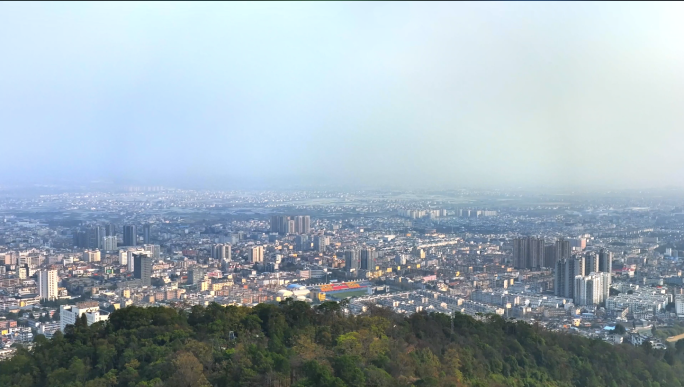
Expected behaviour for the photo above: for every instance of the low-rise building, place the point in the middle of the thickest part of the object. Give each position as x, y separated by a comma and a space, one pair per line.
69, 313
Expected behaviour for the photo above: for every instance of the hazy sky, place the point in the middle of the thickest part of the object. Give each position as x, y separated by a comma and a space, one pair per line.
438, 94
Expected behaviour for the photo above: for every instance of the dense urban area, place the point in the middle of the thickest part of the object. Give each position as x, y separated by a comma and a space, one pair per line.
602, 266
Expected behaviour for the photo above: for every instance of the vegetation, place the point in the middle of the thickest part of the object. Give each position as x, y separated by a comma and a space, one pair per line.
665, 332
293, 344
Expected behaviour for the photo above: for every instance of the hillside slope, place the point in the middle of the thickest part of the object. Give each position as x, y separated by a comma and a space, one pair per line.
293, 344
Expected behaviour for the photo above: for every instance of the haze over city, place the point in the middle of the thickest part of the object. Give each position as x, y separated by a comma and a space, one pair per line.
341, 194
411, 95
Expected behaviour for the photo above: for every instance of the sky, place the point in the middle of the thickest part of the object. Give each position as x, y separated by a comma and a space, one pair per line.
413, 95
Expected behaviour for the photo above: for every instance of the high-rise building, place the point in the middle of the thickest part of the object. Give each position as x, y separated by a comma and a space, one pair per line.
605, 261
591, 263
519, 253
319, 243
590, 289
298, 224
528, 253
368, 258
306, 227
48, 283
256, 254
130, 235
282, 224
559, 286
351, 260
302, 224
80, 239
109, 243
143, 268
562, 249
279, 223
274, 223
90, 238
219, 251
110, 229
606, 266
604, 288
550, 256
566, 271
94, 237
302, 243
147, 233
579, 296
131, 261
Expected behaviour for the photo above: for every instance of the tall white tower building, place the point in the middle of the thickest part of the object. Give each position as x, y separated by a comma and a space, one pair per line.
48, 283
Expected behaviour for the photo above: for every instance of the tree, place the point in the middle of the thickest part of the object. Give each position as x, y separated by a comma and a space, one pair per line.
81, 321
78, 370
348, 344
188, 372
679, 346
294, 344
346, 368
647, 347
318, 375
619, 329
377, 377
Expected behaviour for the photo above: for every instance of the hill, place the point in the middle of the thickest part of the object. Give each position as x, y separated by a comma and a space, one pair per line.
293, 344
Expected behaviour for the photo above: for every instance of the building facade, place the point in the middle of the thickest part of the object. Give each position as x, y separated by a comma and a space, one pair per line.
351, 260
48, 284
69, 313
130, 235
566, 271
256, 254
143, 268
528, 253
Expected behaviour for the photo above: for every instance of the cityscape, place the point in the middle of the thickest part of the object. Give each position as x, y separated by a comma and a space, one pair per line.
341, 194
575, 265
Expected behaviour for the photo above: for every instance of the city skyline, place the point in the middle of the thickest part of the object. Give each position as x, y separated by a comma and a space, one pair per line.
341, 194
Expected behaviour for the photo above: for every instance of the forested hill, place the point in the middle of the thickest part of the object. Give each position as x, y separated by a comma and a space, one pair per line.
293, 344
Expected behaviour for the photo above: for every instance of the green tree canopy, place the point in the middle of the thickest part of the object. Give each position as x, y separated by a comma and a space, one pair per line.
294, 344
